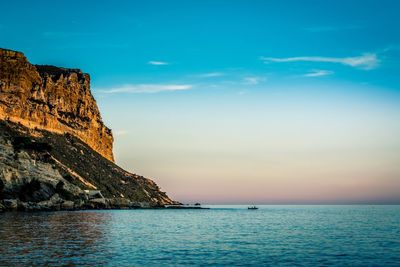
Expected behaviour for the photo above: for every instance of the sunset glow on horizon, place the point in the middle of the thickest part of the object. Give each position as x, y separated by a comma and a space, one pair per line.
237, 102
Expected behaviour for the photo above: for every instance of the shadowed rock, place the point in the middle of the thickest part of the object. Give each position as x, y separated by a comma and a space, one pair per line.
51, 98
54, 147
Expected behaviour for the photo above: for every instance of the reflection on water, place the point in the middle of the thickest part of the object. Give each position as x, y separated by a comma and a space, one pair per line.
52, 238
286, 235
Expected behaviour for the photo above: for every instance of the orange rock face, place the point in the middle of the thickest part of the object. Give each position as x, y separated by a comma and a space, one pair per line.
51, 98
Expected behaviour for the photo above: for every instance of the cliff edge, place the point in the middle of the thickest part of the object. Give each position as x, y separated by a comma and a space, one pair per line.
55, 151
54, 99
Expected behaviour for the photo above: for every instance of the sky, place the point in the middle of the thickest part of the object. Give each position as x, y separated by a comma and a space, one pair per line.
236, 102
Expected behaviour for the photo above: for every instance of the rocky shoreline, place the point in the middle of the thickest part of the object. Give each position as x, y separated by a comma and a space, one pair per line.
56, 203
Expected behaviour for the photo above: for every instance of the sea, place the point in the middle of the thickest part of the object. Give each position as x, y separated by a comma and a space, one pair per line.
281, 235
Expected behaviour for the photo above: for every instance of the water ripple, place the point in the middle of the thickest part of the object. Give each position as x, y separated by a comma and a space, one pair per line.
272, 235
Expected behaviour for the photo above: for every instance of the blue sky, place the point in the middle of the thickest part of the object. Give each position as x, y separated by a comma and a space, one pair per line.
236, 101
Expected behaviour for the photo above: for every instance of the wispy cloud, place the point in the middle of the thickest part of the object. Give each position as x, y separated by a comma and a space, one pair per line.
147, 88
157, 63
391, 48
318, 73
366, 61
253, 80
211, 75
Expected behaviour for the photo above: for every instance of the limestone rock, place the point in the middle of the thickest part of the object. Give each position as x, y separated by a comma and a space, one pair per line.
54, 147
51, 98
10, 204
67, 205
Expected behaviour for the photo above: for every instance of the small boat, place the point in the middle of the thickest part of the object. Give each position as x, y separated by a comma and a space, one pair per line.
252, 208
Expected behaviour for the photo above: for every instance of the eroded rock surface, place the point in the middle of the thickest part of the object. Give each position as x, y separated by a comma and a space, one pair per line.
55, 150
51, 98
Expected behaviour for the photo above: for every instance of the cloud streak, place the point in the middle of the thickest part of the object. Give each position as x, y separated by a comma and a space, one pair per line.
211, 75
367, 61
147, 88
157, 63
253, 80
318, 73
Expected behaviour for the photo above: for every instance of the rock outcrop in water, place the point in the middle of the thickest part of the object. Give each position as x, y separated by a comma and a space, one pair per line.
55, 151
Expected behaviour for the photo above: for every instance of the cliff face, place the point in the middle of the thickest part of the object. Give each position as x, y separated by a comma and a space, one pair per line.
55, 151
51, 98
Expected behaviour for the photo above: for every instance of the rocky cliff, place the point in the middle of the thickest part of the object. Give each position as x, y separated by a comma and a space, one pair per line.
51, 98
55, 151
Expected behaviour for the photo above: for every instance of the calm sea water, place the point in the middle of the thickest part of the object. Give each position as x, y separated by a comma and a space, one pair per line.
223, 235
